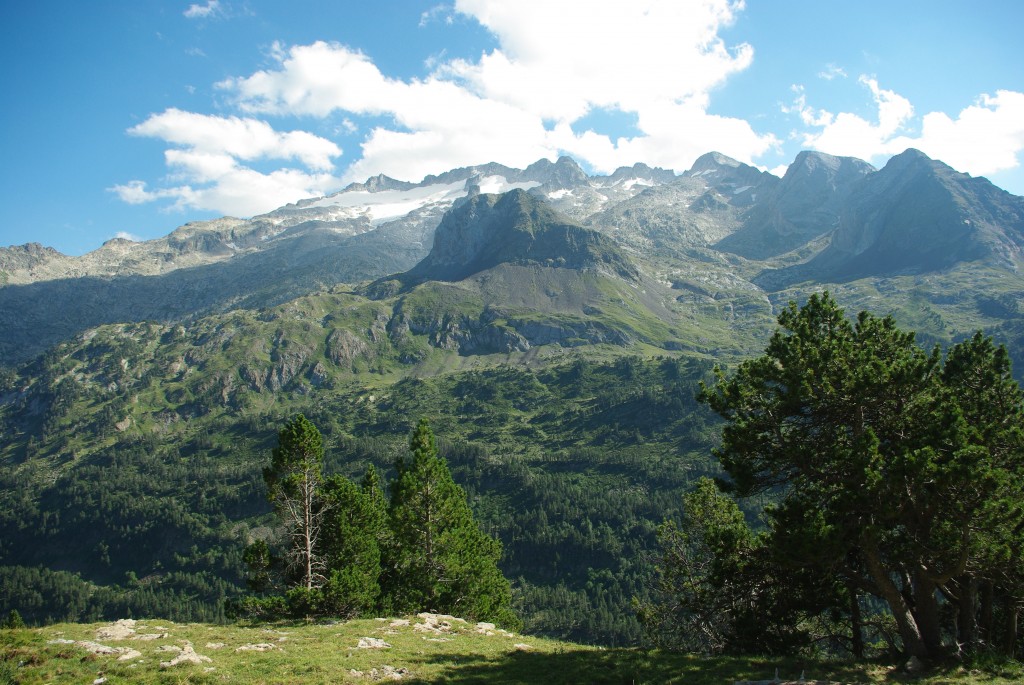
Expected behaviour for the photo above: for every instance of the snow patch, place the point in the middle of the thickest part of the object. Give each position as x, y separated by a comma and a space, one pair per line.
500, 184
559, 194
741, 189
386, 205
629, 183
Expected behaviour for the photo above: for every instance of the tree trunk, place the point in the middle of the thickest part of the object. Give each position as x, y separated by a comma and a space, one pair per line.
855, 625
1010, 639
967, 615
910, 633
987, 613
926, 614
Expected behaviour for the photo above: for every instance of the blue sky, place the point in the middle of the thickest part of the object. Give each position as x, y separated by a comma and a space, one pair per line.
132, 118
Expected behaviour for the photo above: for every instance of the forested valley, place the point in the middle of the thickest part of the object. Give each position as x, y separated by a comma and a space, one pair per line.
572, 467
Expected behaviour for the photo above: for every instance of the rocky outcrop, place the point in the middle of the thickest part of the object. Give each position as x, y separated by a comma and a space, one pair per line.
806, 204
513, 228
915, 215
343, 347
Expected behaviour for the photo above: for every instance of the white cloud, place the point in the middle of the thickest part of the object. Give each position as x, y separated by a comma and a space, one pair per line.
847, 134
211, 8
984, 138
125, 235
520, 101
555, 60
206, 164
242, 138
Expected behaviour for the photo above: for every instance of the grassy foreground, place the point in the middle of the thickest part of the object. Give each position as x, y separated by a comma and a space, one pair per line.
421, 649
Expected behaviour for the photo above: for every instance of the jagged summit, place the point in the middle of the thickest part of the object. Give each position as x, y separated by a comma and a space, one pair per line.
917, 214
519, 228
380, 182
565, 173
712, 161
803, 206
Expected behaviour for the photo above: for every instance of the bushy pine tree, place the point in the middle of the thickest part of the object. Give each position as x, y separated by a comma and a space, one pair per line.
351, 547
897, 472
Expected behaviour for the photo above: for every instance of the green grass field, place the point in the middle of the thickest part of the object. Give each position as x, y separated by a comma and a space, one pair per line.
419, 649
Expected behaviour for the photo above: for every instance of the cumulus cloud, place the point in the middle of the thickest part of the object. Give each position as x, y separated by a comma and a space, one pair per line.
522, 100
242, 138
984, 138
848, 134
211, 8
206, 164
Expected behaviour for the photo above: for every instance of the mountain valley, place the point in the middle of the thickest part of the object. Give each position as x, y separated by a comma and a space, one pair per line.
553, 326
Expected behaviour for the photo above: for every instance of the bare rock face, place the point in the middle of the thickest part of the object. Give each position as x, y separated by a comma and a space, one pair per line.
516, 228
806, 204
343, 347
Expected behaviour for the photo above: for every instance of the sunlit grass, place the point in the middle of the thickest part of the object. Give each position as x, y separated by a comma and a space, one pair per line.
420, 649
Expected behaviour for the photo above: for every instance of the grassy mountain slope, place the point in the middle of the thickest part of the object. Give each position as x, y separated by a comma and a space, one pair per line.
419, 649
133, 455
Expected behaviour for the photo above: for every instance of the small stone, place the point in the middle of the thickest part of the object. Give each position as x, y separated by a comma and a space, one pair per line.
372, 643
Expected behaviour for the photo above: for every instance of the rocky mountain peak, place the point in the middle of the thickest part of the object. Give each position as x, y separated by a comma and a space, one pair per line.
565, 173
515, 227
376, 184
712, 161
817, 171
803, 206
643, 172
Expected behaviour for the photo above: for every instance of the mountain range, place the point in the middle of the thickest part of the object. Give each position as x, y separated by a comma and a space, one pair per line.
721, 230
553, 325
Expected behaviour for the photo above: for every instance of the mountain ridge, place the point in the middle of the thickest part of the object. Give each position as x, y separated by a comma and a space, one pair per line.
815, 225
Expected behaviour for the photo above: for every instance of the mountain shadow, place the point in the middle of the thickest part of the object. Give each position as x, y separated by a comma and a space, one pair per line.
916, 215
36, 316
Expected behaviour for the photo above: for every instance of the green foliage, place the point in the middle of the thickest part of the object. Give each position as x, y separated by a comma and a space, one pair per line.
260, 562
899, 475
702, 590
440, 560
436, 557
13, 620
354, 528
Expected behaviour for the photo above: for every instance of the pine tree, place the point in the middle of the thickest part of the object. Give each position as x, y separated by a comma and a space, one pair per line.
440, 560
351, 544
294, 481
897, 472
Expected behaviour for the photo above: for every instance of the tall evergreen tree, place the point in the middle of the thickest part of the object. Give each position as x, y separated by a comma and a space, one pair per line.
351, 545
440, 560
294, 481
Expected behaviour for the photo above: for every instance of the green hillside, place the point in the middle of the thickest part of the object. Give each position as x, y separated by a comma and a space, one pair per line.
130, 481
417, 649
